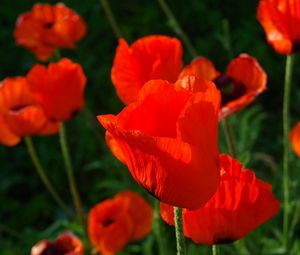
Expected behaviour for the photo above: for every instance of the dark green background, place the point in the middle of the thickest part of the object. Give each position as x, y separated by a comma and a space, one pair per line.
27, 209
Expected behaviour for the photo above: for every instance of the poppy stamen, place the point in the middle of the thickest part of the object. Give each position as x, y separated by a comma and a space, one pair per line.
230, 89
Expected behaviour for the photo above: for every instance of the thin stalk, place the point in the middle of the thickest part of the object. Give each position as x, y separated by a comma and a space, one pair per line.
229, 137
225, 121
12, 232
215, 250
42, 174
111, 19
180, 241
227, 38
69, 171
177, 28
157, 228
286, 148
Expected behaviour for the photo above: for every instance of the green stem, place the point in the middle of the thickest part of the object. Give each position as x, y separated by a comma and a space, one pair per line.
286, 128
180, 241
71, 179
215, 250
177, 28
41, 172
227, 39
229, 137
12, 232
110, 16
158, 230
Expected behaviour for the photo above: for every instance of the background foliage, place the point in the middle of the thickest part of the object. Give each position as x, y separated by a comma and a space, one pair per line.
28, 210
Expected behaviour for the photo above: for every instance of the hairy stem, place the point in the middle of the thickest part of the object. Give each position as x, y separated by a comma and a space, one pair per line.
180, 241
286, 148
42, 174
70, 174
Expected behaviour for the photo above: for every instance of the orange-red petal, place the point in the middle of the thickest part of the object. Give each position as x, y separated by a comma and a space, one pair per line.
58, 88
177, 164
19, 111
28, 35
69, 244
65, 244
241, 203
294, 136
109, 227
280, 20
68, 27
151, 57
48, 27
201, 67
140, 212
28, 121
246, 70
7, 136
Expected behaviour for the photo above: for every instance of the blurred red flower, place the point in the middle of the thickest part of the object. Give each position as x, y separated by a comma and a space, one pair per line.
168, 138
20, 115
46, 28
65, 244
58, 88
150, 57
295, 138
243, 81
281, 21
242, 203
113, 223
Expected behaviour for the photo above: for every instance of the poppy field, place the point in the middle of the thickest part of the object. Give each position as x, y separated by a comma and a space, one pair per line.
149, 127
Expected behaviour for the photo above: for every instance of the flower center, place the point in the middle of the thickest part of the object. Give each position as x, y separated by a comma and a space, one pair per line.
18, 108
48, 25
106, 223
230, 89
52, 250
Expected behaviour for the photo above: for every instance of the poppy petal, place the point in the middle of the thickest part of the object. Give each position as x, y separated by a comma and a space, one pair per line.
241, 203
245, 70
110, 227
163, 160
201, 67
294, 136
7, 136
52, 86
280, 20
139, 211
151, 57
27, 121
69, 244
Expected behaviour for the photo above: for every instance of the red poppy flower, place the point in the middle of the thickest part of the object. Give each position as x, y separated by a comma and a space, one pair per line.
243, 81
242, 203
113, 223
19, 113
281, 20
151, 57
295, 138
65, 244
168, 139
58, 88
48, 27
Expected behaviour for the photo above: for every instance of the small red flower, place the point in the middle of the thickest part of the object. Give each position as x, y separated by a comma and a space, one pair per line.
20, 115
58, 88
65, 244
48, 27
281, 21
151, 57
243, 81
115, 222
295, 138
168, 138
242, 203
